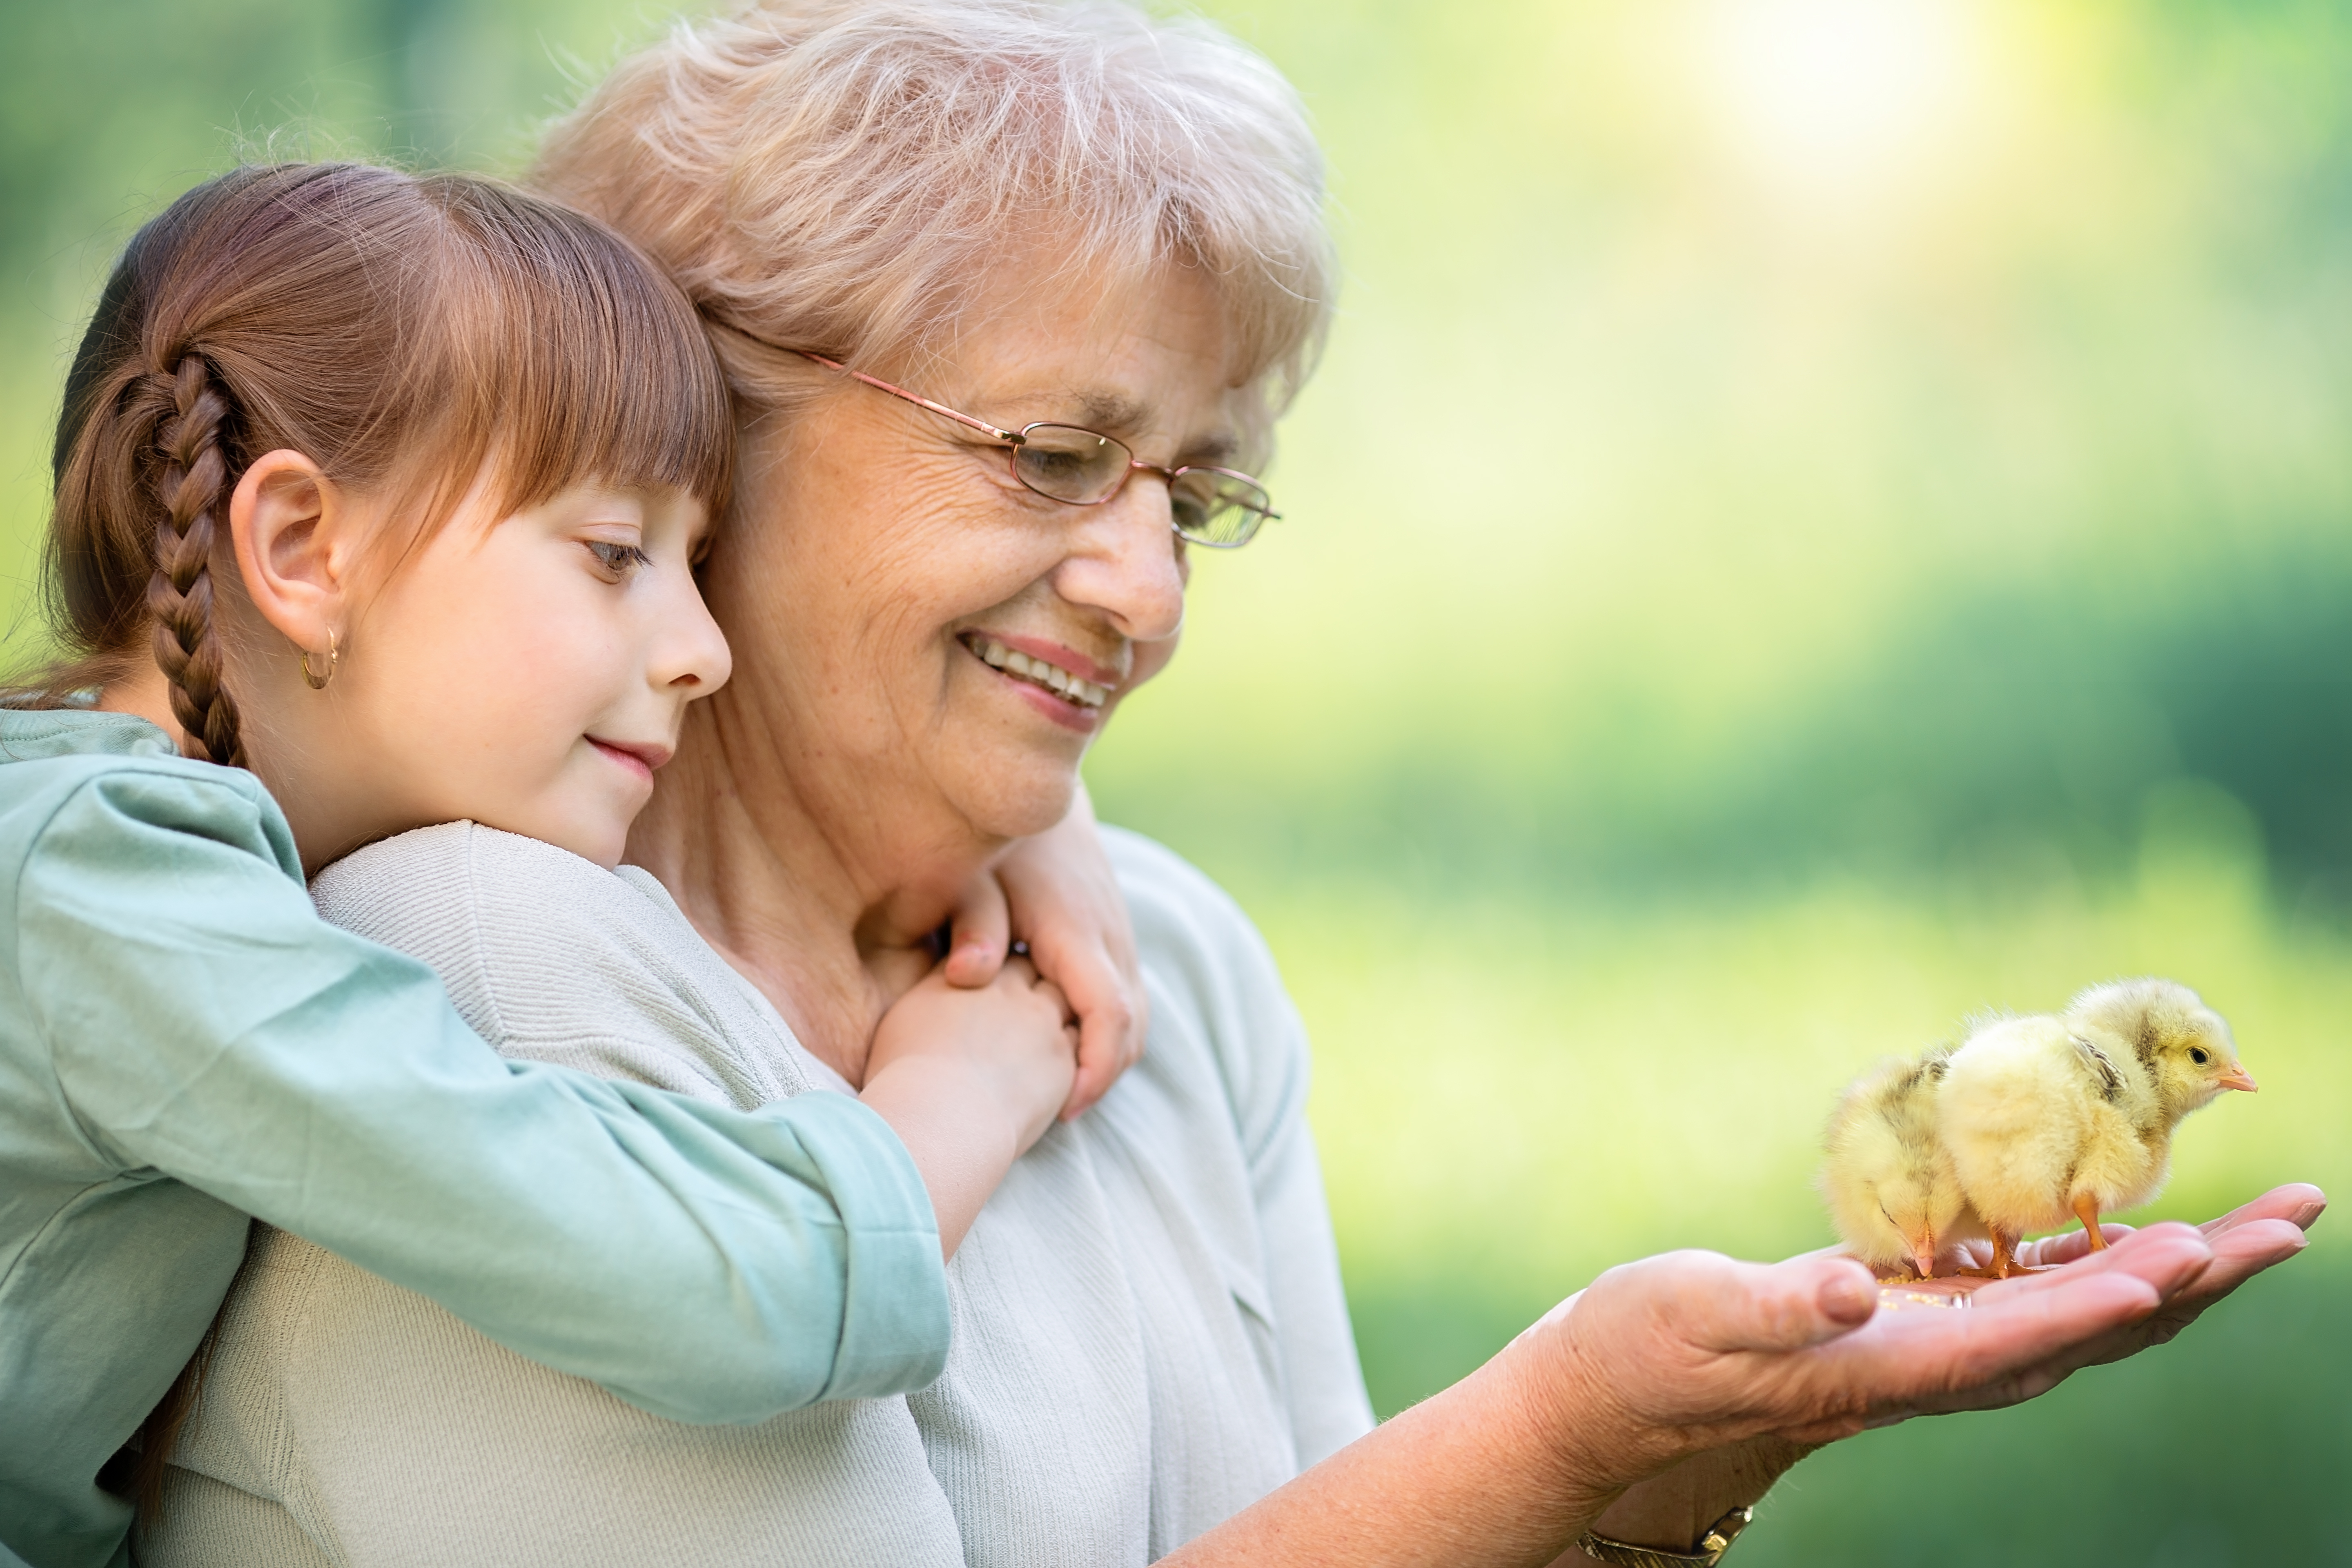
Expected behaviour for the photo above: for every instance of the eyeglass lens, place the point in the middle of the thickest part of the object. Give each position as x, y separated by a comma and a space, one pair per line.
1210, 506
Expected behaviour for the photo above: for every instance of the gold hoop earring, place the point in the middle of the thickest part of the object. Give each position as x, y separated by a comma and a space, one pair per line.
334, 657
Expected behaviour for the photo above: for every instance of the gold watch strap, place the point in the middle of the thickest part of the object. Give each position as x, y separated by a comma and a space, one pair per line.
1706, 1555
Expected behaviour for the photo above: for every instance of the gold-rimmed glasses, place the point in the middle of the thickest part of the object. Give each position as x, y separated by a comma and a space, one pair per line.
1218, 509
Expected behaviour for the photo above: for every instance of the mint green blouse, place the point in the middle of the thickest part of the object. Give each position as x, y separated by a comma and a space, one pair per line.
184, 1043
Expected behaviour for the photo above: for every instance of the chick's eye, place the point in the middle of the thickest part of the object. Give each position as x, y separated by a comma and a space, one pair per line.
2197, 1054
616, 558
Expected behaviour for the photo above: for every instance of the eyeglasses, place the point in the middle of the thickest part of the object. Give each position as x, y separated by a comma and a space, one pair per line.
1218, 509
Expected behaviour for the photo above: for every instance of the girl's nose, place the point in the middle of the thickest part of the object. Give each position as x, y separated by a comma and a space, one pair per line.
689, 657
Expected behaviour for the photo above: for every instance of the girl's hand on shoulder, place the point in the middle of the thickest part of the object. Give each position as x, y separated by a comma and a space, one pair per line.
969, 1078
1057, 893
1009, 1044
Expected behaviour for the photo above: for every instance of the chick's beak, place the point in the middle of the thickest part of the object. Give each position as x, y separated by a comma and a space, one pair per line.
1924, 1260
2238, 1077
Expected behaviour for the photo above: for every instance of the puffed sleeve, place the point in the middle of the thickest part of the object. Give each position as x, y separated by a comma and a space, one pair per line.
705, 1264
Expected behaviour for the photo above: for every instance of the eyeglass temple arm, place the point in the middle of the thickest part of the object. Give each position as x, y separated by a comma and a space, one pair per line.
1010, 438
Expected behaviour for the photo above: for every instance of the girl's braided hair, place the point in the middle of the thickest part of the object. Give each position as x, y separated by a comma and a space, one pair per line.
403, 331
190, 485
412, 336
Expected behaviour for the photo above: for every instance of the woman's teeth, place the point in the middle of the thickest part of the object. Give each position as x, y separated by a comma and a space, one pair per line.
1037, 672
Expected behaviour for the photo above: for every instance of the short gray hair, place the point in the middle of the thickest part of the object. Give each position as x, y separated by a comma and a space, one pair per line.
838, 174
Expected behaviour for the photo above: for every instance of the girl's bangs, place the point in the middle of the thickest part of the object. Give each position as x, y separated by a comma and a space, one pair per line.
586, 365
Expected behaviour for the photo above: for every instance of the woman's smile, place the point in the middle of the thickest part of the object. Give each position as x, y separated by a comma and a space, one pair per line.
1074, 687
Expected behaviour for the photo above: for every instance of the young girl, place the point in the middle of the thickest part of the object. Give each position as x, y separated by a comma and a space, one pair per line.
400, 481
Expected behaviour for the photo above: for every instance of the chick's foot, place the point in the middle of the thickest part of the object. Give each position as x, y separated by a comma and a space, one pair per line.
2086, 1209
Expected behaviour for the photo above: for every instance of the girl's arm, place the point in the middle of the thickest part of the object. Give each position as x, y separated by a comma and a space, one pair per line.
1056, 892
706, 1265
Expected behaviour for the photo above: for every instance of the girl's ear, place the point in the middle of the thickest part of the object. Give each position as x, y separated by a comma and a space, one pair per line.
291, 526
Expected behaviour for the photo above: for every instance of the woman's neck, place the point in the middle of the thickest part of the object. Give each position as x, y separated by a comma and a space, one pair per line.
821, 889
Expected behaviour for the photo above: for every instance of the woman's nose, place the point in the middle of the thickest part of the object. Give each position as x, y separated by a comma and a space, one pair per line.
1126, 561
690, 655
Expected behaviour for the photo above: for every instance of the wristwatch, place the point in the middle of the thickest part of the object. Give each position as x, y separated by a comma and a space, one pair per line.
1706, 1555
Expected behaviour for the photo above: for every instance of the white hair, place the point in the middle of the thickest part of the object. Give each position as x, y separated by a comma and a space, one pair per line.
840, 175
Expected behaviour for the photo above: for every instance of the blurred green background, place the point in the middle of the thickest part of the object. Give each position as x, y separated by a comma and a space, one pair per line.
1820, 517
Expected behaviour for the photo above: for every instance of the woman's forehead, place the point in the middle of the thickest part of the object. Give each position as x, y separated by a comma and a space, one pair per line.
1147, 355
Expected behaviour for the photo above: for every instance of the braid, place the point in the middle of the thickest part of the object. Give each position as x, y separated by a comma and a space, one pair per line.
180, 593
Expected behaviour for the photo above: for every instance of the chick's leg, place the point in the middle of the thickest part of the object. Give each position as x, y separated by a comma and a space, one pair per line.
2004, 1258
2086, 1209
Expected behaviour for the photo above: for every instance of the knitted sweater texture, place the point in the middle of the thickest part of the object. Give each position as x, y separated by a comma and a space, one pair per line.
1149, 1328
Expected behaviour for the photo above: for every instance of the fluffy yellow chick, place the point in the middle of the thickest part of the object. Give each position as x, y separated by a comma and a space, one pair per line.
2049, 1119
1890, 1183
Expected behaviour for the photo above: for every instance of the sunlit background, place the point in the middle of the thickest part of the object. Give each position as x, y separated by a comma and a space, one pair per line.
1820, 517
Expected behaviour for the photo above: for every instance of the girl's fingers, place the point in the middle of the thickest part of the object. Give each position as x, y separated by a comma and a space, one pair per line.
980, 933
1098, 994
1053, 995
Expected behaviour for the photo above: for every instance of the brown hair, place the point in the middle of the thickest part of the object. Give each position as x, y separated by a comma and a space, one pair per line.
403, 331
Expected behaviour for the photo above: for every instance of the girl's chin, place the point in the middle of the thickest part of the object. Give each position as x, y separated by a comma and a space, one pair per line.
592, 824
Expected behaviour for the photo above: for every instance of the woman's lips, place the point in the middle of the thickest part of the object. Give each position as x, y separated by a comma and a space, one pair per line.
640, 758
1064, 672
1062, 708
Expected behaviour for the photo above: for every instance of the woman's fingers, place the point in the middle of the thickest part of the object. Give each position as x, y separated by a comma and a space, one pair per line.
980, 933
1696, 1349
1982, 1356
2169, 1255
2239, 1253
2299, 1204
2067, 1247
1726, 1306
2247, 1249
2019, 1338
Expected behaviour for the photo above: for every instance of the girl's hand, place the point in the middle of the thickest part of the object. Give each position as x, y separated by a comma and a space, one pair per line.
969, 1079
1056, 892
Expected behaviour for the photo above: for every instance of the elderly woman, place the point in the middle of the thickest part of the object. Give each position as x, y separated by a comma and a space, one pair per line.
1010, 295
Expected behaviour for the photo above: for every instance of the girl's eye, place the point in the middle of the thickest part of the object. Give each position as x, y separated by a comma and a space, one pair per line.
617, 558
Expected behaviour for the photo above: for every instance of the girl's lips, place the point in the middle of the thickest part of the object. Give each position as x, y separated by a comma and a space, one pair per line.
640, 759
